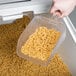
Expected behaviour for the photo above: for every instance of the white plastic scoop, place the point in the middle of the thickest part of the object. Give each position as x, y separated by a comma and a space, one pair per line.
36, 22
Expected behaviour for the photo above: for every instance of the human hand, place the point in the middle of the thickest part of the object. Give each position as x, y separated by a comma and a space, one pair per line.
63, 8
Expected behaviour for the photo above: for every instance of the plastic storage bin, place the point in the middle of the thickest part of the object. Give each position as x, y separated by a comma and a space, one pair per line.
68, 48
36, 22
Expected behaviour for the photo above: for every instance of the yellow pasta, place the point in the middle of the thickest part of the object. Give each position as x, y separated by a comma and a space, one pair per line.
13, 65
41, 43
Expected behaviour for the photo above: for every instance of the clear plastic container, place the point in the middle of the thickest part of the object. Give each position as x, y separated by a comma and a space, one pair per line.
36, 22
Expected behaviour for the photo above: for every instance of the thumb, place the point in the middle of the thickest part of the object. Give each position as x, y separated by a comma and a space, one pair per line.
53, 9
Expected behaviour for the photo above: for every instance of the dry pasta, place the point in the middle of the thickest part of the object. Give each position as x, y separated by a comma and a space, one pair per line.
41, 43
12, 65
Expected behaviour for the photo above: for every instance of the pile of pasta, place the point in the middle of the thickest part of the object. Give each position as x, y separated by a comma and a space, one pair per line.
41, 43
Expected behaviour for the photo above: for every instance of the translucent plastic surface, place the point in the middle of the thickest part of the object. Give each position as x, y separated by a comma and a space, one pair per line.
36, 22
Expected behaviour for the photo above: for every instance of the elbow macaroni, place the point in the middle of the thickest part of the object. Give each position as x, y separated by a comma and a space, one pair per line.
12, 65
41, 43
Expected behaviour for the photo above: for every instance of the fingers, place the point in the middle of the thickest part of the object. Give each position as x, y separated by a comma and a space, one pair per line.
53, 9
58, 14
62, 8
66, 13
56, 11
